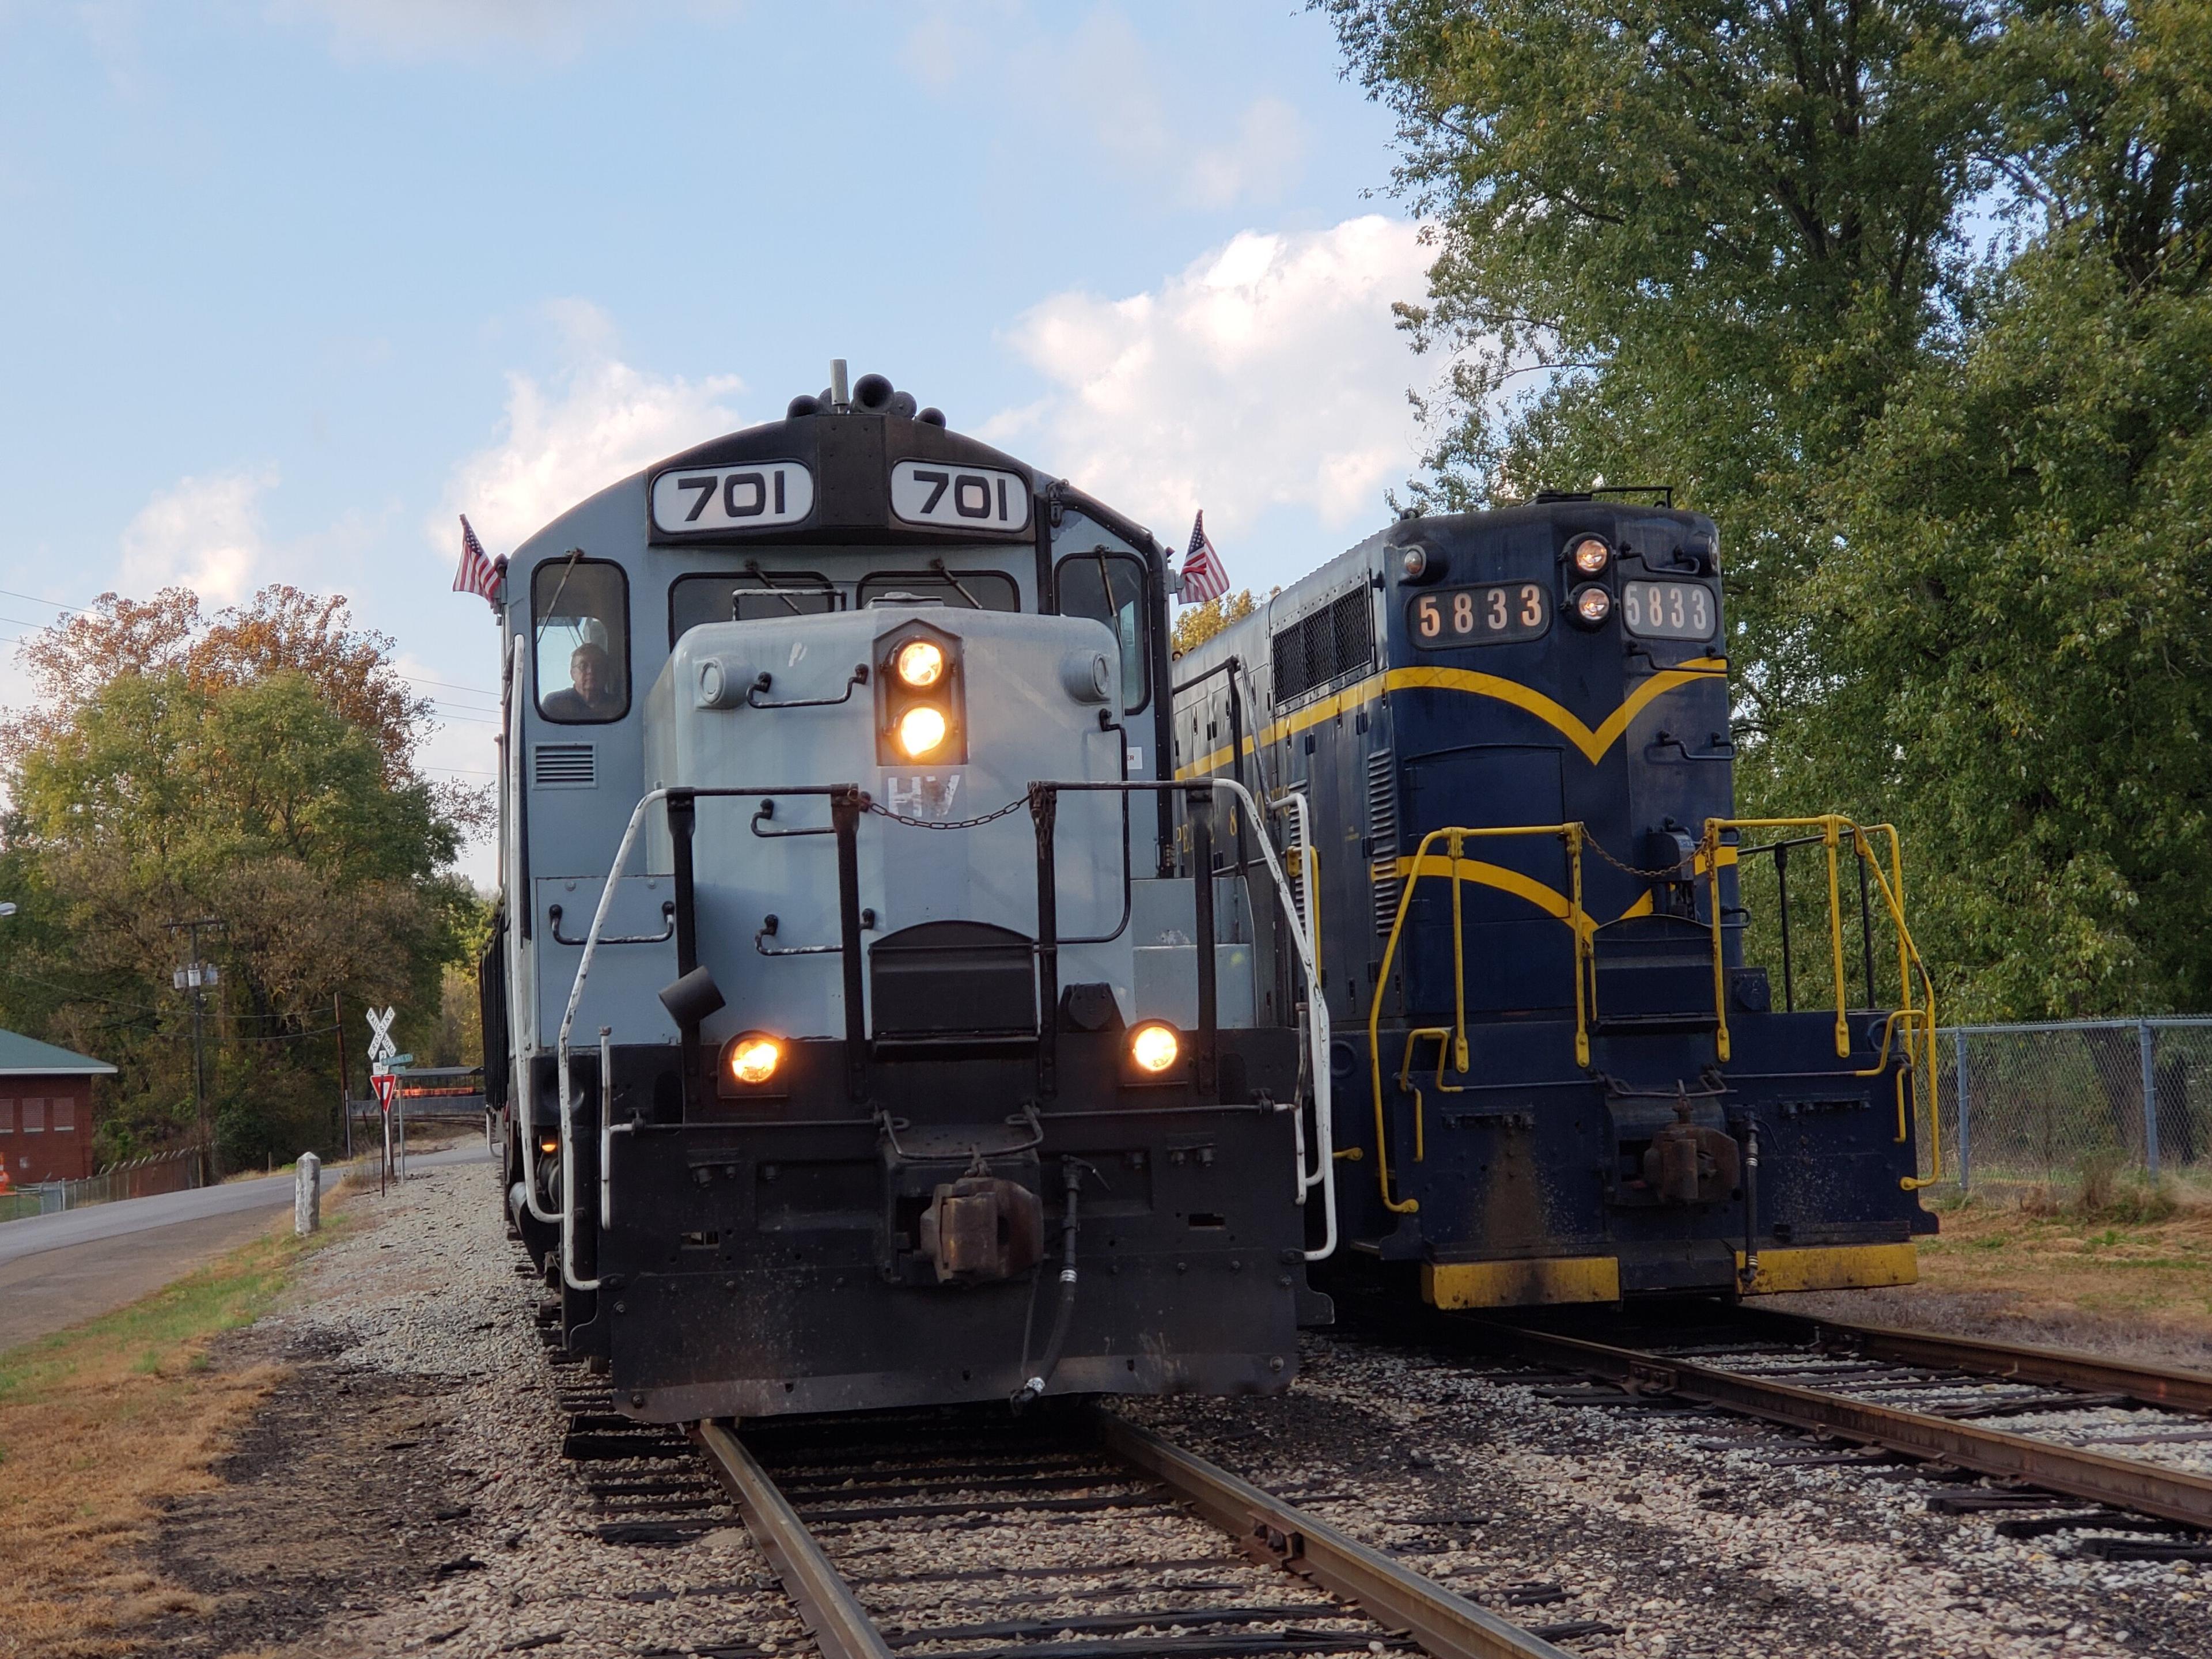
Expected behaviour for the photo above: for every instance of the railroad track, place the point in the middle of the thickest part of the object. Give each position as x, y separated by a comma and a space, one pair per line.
2052, 1429
965, 1535
1062, 1534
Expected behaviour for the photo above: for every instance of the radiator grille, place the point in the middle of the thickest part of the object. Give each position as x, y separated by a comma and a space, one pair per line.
563, 765
1332, 643
1383, 835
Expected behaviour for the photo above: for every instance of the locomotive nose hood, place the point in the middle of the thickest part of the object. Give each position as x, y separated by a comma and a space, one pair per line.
943, 716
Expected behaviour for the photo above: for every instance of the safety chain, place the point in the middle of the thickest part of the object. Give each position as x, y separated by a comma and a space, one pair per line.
1674, 872
883, 812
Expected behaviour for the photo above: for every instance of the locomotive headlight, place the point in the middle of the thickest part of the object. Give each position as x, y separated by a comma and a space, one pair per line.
1593, 604
1588, 556
918, 663
921, 729
754, 1057
1154, 1045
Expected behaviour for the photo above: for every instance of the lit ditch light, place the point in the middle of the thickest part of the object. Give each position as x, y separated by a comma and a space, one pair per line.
1154, 1046
751, 1058
919, 698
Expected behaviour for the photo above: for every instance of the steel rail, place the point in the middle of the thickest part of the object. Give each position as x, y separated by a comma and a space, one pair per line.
2123, 1483
2151, 1385
1447, 1625
1268, 1530
832, 1613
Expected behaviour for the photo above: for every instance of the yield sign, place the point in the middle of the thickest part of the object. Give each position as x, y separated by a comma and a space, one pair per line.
386, 1084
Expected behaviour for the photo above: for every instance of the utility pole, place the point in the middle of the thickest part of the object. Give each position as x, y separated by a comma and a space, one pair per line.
196, 977
345, 1106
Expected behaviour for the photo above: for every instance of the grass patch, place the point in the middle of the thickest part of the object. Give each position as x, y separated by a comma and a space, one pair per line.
100, 1425
2126, 1248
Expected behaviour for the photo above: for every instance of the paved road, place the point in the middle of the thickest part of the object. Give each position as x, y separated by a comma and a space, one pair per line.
58, 1270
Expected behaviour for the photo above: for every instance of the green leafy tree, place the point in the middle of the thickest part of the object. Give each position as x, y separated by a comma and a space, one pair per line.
257, 785
2016, 623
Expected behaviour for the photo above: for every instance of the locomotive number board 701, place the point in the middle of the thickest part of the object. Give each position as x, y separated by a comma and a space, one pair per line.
1453, 616
752, 497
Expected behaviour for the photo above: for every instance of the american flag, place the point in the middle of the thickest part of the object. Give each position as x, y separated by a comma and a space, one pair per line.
1203, 578
478, 574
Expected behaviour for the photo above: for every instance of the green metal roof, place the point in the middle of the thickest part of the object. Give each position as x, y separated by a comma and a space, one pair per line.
21, 1056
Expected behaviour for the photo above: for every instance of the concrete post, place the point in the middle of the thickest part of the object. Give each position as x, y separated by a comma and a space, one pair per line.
306, 1195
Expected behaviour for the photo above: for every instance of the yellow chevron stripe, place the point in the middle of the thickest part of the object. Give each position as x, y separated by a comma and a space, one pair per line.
1593, 745
1549, 900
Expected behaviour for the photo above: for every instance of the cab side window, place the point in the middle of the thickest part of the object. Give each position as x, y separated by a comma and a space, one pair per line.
1109, 588
580, 621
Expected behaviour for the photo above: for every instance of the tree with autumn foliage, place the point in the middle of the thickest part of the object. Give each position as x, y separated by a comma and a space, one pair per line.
1201, 622
257, 766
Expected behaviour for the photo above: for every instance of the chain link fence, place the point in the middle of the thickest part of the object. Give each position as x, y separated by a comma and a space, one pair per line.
141, 1177
2046, 1105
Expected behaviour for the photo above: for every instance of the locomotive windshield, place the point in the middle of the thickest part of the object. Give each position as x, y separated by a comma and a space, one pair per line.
580, 622
1109, 588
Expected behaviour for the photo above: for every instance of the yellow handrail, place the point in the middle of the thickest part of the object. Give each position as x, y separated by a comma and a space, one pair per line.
1454, 837
1913, 1016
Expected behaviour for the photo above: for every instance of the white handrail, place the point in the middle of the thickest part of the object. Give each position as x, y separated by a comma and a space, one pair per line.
1318, 1032
524, 1105
568, 1024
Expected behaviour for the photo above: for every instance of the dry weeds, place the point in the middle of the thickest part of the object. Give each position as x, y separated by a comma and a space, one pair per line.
99, 1426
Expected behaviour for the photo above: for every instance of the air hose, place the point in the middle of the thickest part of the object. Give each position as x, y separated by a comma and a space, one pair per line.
1072, 1171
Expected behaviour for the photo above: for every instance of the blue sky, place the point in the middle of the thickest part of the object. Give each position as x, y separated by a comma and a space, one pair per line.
287, 284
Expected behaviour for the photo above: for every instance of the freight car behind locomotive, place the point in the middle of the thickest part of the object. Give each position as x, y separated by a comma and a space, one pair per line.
1559, 1076
859, 1047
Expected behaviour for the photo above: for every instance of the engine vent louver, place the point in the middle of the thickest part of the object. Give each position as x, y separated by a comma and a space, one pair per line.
1325, 646
1383, 835
563, 765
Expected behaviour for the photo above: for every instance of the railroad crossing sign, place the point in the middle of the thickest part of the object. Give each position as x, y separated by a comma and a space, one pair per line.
380, 1045
386, 1084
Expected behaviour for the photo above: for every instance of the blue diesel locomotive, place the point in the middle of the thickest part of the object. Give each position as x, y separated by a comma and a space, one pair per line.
1498, 747
849, 1036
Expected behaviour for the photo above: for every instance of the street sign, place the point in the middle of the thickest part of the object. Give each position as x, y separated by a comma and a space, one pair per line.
380, 1045
386, 1084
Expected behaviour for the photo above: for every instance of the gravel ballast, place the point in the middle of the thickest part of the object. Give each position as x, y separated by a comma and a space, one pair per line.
420, 1383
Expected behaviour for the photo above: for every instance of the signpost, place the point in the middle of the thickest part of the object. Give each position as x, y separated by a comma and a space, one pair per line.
387, 1090
383, 1055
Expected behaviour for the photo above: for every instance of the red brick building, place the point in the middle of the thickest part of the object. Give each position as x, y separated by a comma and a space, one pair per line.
45, 1109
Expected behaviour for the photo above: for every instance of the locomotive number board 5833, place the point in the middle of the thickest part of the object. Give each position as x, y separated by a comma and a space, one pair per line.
1481, 616
1668, 611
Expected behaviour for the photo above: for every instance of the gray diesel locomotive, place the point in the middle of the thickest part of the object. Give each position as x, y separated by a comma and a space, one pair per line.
863, 1046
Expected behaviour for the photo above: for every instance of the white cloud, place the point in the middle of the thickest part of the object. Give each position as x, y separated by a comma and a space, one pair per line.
413, 31
1267, 375
596, 422
206, 533
1142, 112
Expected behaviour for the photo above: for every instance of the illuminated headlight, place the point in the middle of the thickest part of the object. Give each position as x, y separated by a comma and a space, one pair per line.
549, 1144
754, 1057
1588, 556
1154, 1045
920, 730
918, 663
1593, 604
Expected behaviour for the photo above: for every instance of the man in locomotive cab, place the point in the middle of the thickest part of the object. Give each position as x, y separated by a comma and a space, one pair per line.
591, 694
